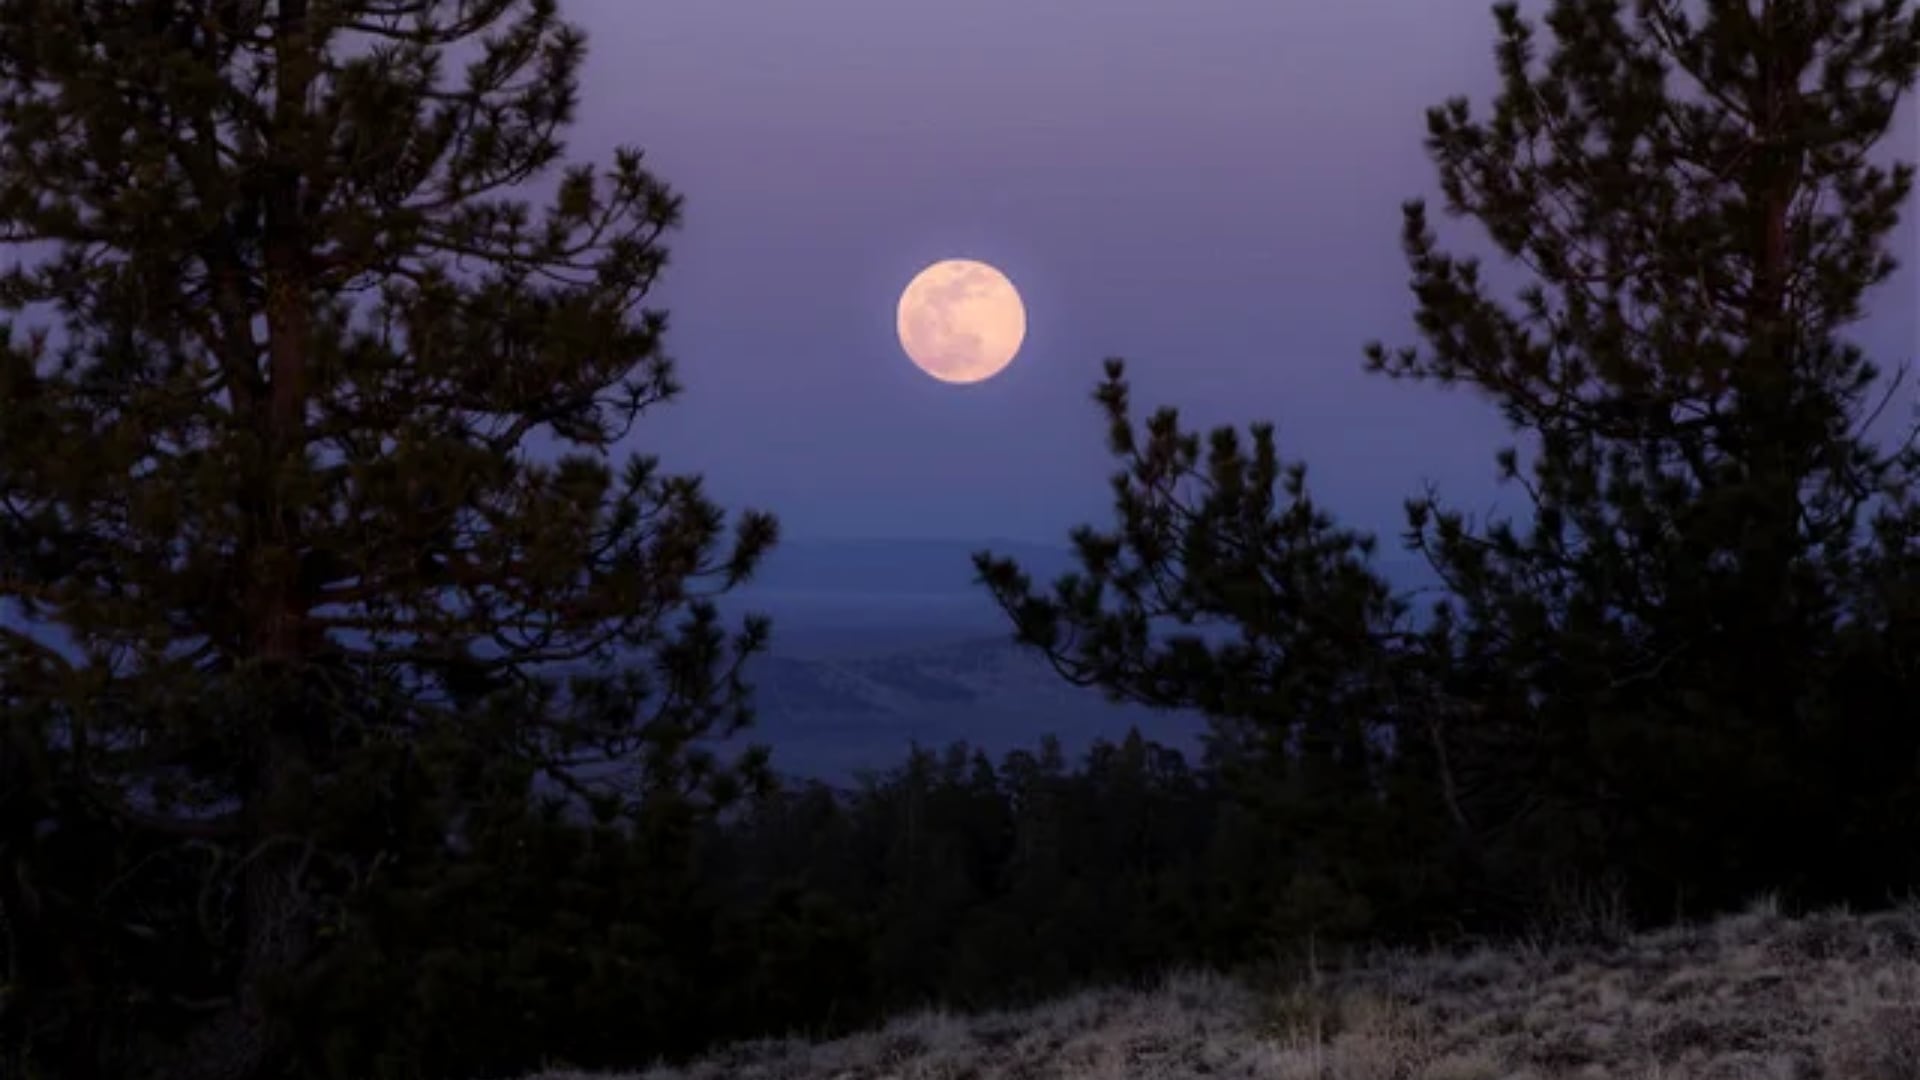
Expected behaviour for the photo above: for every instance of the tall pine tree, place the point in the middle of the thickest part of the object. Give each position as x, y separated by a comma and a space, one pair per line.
1656, 665
1225, 588
284, 337
1691, 673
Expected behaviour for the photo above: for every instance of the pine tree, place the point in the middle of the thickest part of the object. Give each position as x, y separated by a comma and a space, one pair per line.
1654, 662
284, 340
1688, 673
1225, 588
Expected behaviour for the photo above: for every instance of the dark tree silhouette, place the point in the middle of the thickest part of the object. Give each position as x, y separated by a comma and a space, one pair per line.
282, 346
1664, 680
1226, 589
1662, 665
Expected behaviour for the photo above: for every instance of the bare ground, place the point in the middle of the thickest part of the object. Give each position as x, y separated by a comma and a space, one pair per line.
1756, 996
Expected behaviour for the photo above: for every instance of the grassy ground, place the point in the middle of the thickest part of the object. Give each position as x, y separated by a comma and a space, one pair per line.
1752, 997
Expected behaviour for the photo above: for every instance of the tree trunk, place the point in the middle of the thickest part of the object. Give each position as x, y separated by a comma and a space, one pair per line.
248, 1040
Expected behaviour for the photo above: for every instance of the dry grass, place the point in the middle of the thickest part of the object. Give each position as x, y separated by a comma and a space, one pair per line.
1751, 997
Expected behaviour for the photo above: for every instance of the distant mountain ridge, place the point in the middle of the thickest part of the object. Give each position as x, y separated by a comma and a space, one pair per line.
896, 567
832, 718
827, 597
868, 567
878, 644
881, 644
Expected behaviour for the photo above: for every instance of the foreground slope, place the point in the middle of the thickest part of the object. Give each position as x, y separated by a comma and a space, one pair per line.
1825, 997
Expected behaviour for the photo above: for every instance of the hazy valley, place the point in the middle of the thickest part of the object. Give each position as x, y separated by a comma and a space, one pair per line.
879, 644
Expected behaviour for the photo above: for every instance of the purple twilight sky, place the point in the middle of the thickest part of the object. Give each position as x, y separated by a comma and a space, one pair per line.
1210, 189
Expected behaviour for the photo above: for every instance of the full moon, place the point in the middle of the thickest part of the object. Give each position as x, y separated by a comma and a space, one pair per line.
961, 321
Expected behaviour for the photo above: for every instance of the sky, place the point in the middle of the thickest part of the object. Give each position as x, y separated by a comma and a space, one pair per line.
1209, 189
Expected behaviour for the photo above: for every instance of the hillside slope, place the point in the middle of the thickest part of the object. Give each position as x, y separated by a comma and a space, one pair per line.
1751, 997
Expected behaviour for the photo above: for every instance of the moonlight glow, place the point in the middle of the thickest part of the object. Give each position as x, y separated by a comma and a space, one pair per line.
961, 321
